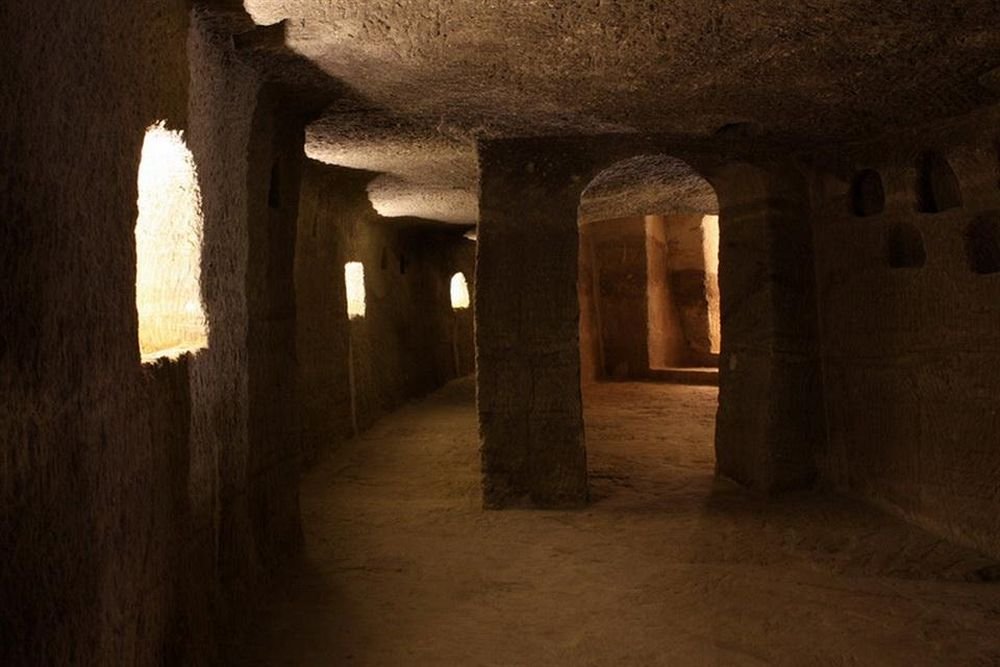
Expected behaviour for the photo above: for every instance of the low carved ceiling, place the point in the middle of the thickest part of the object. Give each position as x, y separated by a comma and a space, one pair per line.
422, 80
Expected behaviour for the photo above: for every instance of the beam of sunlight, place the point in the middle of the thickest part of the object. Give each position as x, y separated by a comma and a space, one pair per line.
168, 234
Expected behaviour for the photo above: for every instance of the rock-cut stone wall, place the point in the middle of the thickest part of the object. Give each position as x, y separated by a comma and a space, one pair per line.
908, 265
142, 505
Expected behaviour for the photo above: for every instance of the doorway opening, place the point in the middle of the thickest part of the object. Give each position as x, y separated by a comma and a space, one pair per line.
650, 328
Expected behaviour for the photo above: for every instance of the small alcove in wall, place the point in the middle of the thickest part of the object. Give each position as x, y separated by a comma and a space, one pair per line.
937, 185
867, 193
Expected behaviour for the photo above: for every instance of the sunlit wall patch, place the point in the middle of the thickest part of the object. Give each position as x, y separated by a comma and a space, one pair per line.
354, 279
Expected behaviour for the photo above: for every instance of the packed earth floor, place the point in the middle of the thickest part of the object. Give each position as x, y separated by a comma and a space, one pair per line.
667, 566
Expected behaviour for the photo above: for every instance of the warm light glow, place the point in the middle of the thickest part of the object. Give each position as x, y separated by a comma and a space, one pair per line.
354, 278
710, 242
168, 248
710, 245
459, 292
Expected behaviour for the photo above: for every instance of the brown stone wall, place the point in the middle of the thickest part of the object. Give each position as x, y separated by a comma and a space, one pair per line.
911, 332
643, 294
273, 460
618, 251
223, 104
689, 282
353, 371
667, 344
129, 491
591, 349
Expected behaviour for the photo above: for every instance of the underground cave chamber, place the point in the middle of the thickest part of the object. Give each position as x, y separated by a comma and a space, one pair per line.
499, 333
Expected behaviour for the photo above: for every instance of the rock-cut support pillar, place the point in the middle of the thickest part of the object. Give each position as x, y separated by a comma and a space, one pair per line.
527, 314
770, 424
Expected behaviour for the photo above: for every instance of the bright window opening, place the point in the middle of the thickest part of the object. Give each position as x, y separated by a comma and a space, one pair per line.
354, 278
710, 247
459, 292
168, 233
905, 247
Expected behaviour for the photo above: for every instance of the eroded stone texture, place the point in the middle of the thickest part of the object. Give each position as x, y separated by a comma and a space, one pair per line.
527, 351
221, 102
422, 172
646, 185
80, 440
910, 354
136, 517
273, 461
770, 419
144, 506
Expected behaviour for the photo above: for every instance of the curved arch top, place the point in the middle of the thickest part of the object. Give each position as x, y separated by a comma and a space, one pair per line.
647, 184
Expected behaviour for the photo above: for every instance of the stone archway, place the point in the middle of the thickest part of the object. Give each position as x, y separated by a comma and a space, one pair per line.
649, 297
770, 420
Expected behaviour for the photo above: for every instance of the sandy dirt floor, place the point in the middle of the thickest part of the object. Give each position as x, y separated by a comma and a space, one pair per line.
668, 566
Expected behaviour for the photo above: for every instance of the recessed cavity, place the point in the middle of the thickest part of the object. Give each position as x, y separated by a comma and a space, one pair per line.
937, 185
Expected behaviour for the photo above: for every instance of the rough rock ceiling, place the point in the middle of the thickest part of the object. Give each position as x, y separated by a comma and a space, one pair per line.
647, 184
426, 171
428, 77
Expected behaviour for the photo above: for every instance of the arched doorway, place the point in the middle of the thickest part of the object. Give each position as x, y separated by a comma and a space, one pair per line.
650, 329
